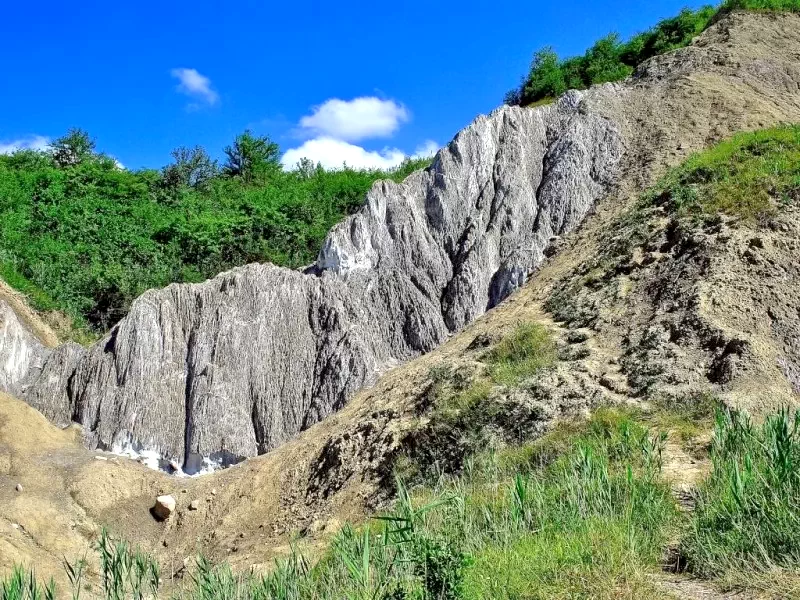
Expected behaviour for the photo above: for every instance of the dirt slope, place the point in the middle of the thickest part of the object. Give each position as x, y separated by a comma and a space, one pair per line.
744, 73
28, 316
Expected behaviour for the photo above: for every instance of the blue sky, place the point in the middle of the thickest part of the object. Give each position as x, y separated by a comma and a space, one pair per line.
145, 77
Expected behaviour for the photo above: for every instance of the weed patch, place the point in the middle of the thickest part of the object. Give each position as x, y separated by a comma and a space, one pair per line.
526, 351
749, 176
748, 512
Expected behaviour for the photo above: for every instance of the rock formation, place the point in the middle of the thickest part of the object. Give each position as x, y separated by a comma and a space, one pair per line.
235, 366
21, 353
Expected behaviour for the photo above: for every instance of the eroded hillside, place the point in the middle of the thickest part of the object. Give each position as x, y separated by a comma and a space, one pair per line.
683, 309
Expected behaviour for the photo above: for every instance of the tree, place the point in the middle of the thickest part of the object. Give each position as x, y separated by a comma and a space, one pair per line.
73, 148
603, 62
513, 97
306, 168
251, 157
546, 78
193, 167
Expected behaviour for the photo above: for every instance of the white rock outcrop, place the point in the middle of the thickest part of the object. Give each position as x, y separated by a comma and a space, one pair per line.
214, 372
21, 353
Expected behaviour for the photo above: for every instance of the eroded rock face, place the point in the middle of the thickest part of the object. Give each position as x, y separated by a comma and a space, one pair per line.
21, 353
237, 365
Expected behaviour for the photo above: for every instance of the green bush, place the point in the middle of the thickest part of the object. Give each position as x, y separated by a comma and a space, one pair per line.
79, 234
610, 59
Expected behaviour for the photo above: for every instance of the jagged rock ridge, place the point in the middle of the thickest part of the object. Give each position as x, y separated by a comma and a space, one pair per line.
235, 366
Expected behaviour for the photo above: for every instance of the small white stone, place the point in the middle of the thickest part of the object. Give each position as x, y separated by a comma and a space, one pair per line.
165, 506
18, 487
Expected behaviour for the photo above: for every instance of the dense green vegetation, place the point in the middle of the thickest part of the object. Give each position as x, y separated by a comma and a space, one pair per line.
749, 176
748, 512
80, 234
611, 59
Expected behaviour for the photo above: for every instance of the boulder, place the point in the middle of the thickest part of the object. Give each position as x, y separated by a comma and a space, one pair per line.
164, 507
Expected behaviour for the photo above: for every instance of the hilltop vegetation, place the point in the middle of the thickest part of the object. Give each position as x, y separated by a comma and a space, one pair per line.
81, 235
611, 59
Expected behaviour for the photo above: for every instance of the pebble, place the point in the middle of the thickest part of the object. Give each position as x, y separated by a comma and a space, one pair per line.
18, 487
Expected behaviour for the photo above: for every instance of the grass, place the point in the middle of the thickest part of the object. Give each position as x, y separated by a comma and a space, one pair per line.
469, 408
582, 512
581, 516
747, 521
22, 585
749, 176
525, 352
592, 518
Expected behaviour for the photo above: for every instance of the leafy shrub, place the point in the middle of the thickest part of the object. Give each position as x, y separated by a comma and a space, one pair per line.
79, 234
609, 59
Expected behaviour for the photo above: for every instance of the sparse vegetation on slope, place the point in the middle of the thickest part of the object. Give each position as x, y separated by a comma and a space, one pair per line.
611, 59
81, 235
749, 176
518, 523
583, 512
529, 349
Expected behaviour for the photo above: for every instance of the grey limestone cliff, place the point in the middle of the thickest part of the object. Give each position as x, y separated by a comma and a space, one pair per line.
235, 366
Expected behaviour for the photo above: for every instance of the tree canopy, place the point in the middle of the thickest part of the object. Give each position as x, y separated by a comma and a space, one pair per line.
80, 234
611, 59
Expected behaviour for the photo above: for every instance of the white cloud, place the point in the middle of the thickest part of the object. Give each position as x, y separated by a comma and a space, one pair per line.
335, 124
34, 142
332, 154
195, 85
426, 149
357, 119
